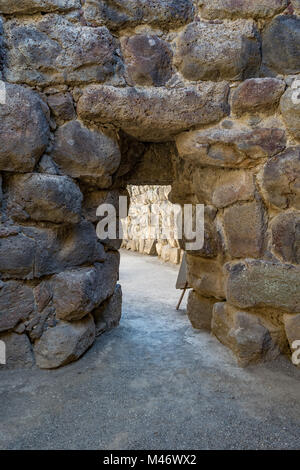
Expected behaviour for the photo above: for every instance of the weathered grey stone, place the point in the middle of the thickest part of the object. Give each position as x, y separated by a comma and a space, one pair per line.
258, 283
16, 304
244, 334
237, 147
154, 114
108, 315
207, 51
281, 45
65, 343
290, 109
219, 9
93, 199
37, 251
257, 94
47, 165
244, 228
233, 186
44, 197
78, 292
28, 7
17, 256
148, 60
206, 277
24, 129
18, 351
292, 329
62, 107
80, 152
117, 14
54, 50
285, 232
280, 179
199, 310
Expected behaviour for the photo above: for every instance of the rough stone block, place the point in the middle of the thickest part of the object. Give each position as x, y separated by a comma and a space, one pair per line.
280, 179
44, 197
233, 186
154, 114
62, 107
206, 277
18, 351
29, 7
80, 152
78, 292
290, 109
257, 94
24, 129
117, 14
148, 60
216, 51
231, 148
65, 343
285, 237
220, 9
108, 315
244, 228
244, 334
53, 50
258, 283
281, 45
199, 310
16, 304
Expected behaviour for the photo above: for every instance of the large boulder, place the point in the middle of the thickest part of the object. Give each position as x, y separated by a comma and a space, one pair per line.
234, 147
290, 109
117, 14
54, 50
213, 51
24, 129
65, 343
148, 59
257, 94
244, 226
154, 114
33, 252
244, 334
258, 283
18, 351
206, 277
199, 310
80, 152
281, 46
219, 9
16, 304
108, 314
78, 292
233, 186
44, 197
280, 179
285, 237
28, 7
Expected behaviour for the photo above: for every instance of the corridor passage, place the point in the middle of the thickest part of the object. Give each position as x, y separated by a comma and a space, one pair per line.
152, 383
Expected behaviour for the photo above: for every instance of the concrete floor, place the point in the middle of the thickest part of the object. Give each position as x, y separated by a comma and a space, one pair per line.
152, 383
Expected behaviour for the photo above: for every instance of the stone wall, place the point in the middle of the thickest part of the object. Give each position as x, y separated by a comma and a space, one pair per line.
150, 207
96, 91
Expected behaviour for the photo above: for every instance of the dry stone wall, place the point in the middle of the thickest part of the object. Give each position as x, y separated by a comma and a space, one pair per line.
150, 226
97, 94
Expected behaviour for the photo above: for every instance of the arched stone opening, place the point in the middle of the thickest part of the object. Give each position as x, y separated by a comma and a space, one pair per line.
97, 96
